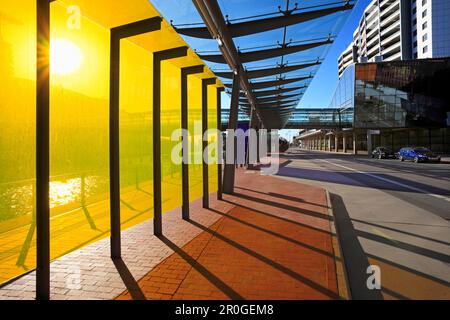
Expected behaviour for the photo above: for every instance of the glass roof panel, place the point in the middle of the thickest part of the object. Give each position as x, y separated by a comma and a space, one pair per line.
184, 14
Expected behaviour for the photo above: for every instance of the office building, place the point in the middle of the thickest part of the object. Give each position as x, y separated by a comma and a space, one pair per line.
392, 103
392, 30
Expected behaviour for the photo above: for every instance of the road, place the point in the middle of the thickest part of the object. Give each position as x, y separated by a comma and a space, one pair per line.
389, 214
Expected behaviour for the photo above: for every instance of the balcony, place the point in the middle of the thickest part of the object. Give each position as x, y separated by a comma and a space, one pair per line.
393, 38
395, 56
390, 29
372, 41
387, 52
394, 7
372, 15
386, 3
391, 19
373, 50
373, 30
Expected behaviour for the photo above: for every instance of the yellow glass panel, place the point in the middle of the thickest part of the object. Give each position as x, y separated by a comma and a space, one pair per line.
17, 137
170, 121
136, 135
110, 14
79, 124
212, 138
195, 131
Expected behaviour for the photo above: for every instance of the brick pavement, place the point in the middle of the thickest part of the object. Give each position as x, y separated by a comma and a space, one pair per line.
274, 244
271, 240
89, 273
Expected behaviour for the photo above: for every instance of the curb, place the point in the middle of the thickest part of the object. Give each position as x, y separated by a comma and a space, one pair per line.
341, 270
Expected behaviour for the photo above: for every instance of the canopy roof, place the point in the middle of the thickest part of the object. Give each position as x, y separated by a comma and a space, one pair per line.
279, 43
111, 14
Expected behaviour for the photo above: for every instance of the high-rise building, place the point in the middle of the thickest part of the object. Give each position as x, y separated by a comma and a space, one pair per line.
347, 57
392, 30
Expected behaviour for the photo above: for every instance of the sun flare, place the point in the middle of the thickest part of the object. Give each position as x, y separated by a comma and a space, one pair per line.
65, 57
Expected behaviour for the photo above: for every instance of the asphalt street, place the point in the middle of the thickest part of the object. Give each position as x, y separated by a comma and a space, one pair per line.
390, 215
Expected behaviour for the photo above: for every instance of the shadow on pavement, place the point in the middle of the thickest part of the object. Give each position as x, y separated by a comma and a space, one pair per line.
398, 276
219, 284
128, 279
276, 265
283, 206
282, 196
354, 256
360, 180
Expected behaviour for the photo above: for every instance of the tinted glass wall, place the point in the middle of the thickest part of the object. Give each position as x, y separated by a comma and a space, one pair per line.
17, 136
344, 94
79, 124
401, 94
436, 139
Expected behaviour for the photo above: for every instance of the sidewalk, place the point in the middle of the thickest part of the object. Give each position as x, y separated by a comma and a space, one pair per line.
274, 244
271, 240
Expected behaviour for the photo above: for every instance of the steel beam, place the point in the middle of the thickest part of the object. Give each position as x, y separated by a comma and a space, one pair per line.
229, 172
184, 125
220, 150
254, 26
253, 125
43, 150
205, 84
158, 57
215, 22
118, 33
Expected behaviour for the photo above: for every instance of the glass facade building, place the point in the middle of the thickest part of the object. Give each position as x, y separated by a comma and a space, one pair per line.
408, 101
402, 94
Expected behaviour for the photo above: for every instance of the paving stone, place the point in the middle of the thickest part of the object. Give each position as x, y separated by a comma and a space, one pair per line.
99, 277
266, 247
270, 240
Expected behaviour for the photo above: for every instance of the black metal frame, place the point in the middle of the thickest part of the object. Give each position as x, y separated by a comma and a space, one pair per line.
158, 57
229, 170
43, 135
184, 125
205, 83
220, 150
43, 150
118, 33
43, 138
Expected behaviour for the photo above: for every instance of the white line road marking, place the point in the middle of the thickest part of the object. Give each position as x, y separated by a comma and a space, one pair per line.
383, 235
390, 181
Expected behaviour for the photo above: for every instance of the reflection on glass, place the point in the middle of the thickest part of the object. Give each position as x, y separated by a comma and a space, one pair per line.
402, 94
17, 136
65, 57
79, 127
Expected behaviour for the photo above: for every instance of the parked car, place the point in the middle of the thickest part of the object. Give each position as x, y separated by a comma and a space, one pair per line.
418, 154
383, 153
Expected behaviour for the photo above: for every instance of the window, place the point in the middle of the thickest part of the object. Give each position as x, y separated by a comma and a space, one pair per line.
415, 44
424, 25
425, 37
424, 13
425, 49
424, 2
414, 33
